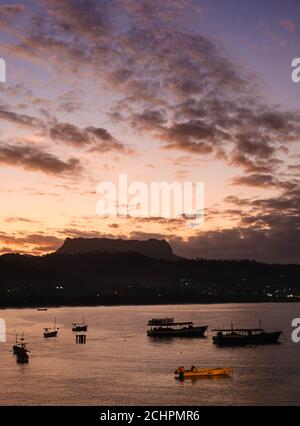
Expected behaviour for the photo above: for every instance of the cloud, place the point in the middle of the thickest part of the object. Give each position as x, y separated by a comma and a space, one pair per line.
29, 157
140, 235
81, 233
8, 12
265, 180
90, 18
268, 230
149, 119
68, 133
114, 226
288, 25
97, 137
19, 219
256, 180
70, 101
11, 9
36, 243
194, 136
177, 85
24, 96
276, 245
162, 13
15, 118
294, 167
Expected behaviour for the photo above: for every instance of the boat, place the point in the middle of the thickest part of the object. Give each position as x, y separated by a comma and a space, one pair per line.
167, 327
51, 332
21, 351
181, 373
79, 326
245, 336
42, 309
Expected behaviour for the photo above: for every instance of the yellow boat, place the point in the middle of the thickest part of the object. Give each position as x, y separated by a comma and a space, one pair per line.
181, 373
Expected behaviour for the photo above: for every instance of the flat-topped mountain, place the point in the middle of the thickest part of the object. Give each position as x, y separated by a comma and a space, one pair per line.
157, 249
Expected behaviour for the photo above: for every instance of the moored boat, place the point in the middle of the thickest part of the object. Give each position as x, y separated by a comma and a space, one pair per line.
51, 332
181, 373
167, 327
79, 326
21, 351
245, 336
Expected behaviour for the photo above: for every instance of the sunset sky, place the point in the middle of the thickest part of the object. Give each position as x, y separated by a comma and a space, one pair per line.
185, 90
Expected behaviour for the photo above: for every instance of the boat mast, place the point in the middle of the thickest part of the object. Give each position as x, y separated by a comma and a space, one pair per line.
22, 341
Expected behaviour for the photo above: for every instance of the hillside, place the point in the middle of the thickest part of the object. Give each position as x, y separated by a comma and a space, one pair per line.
132, 278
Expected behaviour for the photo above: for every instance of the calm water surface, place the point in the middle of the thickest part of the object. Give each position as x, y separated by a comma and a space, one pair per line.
120, 365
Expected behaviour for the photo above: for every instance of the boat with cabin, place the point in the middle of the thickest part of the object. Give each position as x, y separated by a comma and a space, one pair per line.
181, 373
79, 326
21, 351
245, 336
51, 332
167, 327
19, 345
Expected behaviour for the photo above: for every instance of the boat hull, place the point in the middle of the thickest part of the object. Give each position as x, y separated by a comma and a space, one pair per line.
254, 339
49, 334
184, 332
80, 328
22, 359
181, 373
17, 349
22, 356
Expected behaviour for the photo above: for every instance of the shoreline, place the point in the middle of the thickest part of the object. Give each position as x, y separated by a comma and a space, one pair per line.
163, 303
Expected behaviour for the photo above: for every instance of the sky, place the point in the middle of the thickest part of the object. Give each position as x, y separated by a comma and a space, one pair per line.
187, 90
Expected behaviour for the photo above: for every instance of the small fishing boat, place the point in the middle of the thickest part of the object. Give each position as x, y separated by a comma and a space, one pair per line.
51, 332
22, 351
167, 327
245, 336
79, 326
42, 309
181, 373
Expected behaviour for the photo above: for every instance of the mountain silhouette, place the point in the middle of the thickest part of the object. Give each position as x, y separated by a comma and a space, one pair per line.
157, 249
